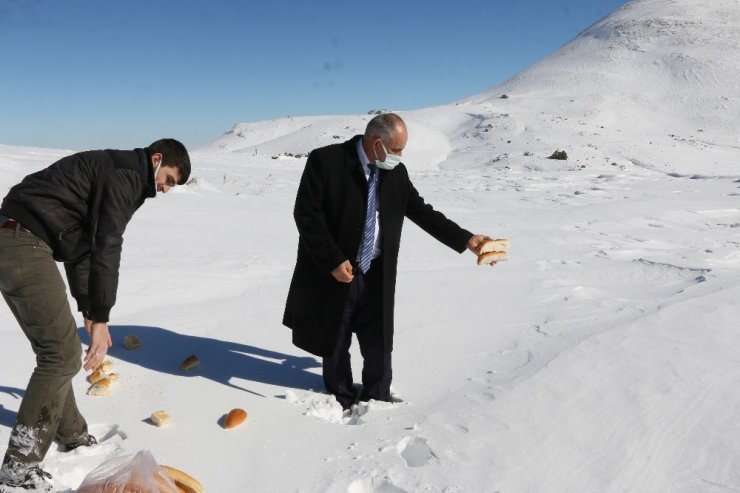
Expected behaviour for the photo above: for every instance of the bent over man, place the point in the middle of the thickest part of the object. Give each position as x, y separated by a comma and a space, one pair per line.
75, 211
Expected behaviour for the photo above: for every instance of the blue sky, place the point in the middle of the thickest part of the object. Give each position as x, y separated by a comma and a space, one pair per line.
87, 74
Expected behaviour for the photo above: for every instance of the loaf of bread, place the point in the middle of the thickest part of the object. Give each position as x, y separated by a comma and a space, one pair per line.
184, 482
160, 418
102, 387
131, 341
190, 362
234, 418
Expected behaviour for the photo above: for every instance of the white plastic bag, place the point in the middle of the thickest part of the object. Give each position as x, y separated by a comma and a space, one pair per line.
136, 473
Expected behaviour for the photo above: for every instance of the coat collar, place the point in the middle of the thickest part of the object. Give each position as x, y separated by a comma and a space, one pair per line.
351, 150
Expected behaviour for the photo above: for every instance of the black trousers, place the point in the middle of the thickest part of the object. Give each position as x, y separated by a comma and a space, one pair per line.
363, 315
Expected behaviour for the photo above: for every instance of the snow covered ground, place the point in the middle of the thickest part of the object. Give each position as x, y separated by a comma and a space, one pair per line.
602, 357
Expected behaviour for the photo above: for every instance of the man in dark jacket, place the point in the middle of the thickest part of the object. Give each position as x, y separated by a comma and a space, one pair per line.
349, 211
75, 211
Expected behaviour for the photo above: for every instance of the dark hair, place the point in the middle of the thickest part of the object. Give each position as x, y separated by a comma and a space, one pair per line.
174, 155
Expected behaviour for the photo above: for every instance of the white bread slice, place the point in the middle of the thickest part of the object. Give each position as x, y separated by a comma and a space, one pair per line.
491, 257
160, 418
497, 245
102, 371
102, 387
96, 376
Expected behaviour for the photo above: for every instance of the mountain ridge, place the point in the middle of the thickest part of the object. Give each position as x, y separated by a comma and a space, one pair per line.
661, 70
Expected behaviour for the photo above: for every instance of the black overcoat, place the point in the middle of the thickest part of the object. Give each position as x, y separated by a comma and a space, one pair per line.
329, 213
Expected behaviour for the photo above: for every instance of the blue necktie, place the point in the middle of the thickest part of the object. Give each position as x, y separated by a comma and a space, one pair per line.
368, 233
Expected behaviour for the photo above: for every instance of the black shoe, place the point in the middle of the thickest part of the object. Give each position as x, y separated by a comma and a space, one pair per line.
345, 400
25, 476
84, 440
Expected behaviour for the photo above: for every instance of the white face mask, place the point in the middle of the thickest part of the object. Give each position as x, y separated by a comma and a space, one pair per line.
391, 160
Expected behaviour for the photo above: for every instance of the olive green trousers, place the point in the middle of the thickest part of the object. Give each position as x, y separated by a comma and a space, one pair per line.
32, 286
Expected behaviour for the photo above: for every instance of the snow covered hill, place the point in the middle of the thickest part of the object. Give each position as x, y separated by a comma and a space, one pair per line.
660, 72
603, 356
654, 85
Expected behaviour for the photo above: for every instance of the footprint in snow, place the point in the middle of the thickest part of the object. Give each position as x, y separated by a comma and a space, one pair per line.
415, 451
373, 485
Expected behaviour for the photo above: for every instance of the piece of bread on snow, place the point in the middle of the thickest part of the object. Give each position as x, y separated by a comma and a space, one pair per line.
183, 481
96, 376
102, 387
490, 257
102, 371
497, 245
190, 362
159, 418
131, 341
235, 418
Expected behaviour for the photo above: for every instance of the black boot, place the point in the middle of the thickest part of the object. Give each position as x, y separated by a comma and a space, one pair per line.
84, 440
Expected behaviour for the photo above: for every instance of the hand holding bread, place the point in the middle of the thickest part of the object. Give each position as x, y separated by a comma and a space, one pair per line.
489, 250
492, 251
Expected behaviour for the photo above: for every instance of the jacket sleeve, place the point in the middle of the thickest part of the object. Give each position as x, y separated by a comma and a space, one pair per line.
120, 194
308, 213
78, 276
434, 222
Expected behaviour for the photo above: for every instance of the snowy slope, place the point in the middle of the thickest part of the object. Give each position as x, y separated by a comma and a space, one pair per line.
657, 72
294, 137
602, 357
653, 85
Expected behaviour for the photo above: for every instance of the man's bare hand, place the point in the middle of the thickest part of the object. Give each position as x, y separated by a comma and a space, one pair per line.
475, 241
343, 272
100, 341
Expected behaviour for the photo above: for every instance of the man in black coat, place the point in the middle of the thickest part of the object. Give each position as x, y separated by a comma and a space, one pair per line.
74, 211
349, 210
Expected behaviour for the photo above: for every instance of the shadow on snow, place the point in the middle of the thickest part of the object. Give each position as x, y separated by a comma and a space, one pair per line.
163, 350
7, 417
